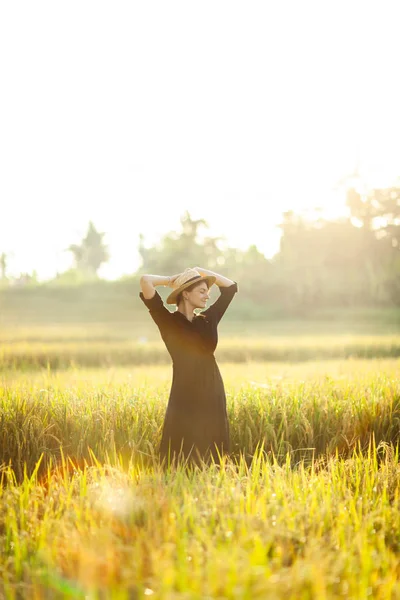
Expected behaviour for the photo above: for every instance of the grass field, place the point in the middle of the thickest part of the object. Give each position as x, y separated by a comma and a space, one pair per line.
105, 345
306, 506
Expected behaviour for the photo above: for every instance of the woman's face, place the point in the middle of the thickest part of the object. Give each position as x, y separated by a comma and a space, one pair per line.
198, 296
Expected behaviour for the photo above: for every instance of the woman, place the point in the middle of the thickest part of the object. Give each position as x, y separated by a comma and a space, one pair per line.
196, 423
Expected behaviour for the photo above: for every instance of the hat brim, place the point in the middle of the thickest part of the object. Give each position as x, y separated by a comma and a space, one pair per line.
173, 296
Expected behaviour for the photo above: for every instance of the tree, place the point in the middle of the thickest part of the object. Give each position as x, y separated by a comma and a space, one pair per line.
378, 214
180, 249
378, 209
3, 266
387, 202
321, 262
91, 253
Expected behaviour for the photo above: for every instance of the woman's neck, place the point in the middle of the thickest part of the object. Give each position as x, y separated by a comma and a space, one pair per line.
187, 311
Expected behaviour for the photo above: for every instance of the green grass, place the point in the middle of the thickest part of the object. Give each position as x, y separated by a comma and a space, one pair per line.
306, 506
118, 303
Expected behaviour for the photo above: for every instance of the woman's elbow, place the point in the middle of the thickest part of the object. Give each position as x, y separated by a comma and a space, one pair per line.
147, 286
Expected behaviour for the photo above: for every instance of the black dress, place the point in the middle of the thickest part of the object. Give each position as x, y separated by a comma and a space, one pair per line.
196, 422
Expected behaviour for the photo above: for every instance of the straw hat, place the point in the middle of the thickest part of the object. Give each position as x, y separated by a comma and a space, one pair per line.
185, 280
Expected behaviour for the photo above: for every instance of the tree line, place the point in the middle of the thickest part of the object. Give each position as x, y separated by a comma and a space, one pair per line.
351, 261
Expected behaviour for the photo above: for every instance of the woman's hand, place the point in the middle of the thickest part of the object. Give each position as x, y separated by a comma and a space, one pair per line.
172, 279
149, 282
221, 281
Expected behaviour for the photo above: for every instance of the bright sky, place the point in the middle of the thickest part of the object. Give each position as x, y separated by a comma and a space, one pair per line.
128, 113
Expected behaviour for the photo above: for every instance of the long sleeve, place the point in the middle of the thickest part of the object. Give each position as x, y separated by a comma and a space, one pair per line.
217, 310
159, 313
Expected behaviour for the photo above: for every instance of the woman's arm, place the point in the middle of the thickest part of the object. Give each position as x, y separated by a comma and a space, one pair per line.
149, 282
221, 281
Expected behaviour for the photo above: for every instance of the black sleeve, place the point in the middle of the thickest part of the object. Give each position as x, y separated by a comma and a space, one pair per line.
217, 310
159, 313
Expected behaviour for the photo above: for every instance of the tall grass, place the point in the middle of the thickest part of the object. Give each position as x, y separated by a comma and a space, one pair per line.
305, 507
303, 418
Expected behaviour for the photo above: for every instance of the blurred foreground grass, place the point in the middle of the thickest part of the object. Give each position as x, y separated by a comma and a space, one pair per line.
235, 532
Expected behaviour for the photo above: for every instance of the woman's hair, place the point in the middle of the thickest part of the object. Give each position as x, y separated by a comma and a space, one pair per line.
189, 289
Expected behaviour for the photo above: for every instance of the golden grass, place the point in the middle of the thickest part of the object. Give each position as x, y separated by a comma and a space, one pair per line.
63, 348
307, 507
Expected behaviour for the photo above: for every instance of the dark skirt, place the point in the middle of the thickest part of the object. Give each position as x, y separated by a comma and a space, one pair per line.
196, 425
